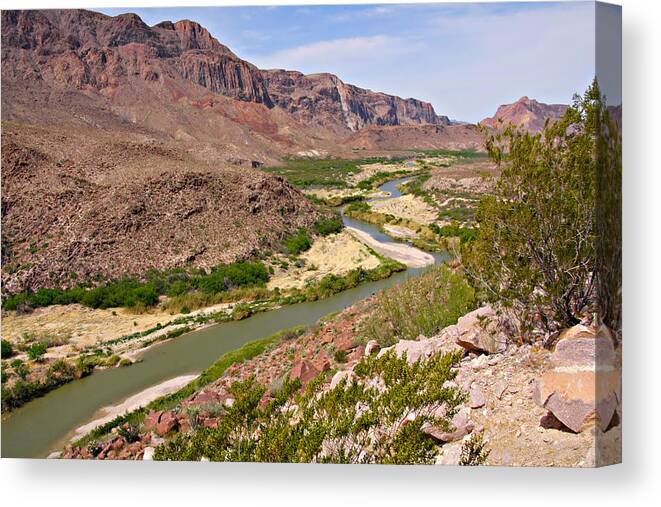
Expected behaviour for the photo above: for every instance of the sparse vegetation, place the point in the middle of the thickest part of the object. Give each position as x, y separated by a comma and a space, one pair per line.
326, 172
422, 305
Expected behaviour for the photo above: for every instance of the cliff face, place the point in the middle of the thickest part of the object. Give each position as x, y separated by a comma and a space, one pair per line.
83, 49
326, 100
527, 113
88, 51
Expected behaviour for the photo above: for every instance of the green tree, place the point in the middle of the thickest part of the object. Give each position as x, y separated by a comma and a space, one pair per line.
537, 245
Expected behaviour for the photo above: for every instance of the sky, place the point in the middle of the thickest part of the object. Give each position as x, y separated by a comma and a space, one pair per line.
466, 59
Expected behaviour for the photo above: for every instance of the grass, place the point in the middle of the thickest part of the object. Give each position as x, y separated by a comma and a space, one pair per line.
326, 172
419, 306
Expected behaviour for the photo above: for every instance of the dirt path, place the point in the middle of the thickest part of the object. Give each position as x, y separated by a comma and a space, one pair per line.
408, 255
134, 402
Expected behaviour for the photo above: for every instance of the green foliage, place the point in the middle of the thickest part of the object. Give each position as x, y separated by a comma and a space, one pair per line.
358, 206
299, 242
340, 356
132, 293
474, 451
536, 247
379, 178
36, 351
130, 432
335, 426
7, 349
326, 226
326, 172
422, 305
465, 234
24, 390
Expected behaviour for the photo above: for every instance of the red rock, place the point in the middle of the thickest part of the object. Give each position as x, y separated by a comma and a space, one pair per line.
322, 361
304, 371
166, 423
152, 418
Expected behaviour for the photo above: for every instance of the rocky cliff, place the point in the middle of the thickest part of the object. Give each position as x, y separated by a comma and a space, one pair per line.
83, 50
325, 100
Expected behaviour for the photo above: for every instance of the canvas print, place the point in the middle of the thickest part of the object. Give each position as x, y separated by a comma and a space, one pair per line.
359, 234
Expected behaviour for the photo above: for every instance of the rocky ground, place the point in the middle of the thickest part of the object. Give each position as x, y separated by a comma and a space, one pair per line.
501, 381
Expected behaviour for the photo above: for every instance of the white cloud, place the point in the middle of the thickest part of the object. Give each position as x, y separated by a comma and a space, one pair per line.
327, 55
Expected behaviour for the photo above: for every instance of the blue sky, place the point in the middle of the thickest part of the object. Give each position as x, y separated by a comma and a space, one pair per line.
466, 59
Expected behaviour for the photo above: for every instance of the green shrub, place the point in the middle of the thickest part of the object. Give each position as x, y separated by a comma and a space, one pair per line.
299, 242
331, 426
7, 349
474, 451
327, 226
537, 248
36, 351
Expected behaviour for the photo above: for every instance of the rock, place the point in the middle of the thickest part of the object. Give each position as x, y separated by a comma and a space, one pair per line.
480, 331
148, 454
322, 361
450, 454
303, 370
479, 363
166, 423
371, 347
582, 385
347, 375
461, 424
476, 398
446, 340
415, 349
499, 388
152, 418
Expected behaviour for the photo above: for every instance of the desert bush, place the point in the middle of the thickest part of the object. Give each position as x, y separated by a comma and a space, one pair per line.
299, 242
7, 349
36, 351
326, 226
422, 305
536, 247
339, 425
474, 451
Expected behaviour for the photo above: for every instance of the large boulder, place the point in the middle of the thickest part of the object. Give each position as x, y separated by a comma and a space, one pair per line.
422, 348
583, 384
480, 331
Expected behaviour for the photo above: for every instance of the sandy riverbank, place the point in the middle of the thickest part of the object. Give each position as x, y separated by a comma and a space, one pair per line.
408, 255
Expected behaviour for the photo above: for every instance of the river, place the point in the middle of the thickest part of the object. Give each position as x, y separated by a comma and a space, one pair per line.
46, 423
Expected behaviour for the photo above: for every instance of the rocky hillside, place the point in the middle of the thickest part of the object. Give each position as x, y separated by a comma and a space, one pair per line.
80, 205
467, 387
526, 113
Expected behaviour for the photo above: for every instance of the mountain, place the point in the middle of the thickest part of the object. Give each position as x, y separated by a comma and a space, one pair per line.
127, 147
527, 113
176, 79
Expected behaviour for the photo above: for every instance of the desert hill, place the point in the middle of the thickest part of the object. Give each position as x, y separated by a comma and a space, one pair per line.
527, 113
